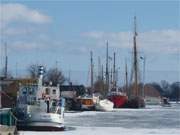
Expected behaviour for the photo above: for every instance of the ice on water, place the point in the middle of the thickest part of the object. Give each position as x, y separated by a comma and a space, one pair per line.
153, 120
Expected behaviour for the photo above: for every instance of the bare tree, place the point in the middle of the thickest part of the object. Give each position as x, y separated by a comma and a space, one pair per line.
6, 75
165, 85
55, 76
33, 71
100, 87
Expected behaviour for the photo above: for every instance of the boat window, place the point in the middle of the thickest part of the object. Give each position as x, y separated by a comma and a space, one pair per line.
54, 91
54, 103
31, 91
24, 91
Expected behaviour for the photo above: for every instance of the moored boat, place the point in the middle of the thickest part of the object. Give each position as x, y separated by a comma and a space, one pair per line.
165, 102
86, 102
118, 98
135, 99
40, 107
104, 105
136, 102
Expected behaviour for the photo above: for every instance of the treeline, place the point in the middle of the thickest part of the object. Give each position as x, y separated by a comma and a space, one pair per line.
53, 75
172, 91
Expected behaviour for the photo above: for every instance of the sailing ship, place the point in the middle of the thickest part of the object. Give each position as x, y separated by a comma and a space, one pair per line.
136, 99
40, 107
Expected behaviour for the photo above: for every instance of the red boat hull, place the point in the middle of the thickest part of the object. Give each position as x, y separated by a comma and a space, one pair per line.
118, 100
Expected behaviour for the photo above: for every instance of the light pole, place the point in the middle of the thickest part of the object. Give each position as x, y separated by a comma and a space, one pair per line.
144, 66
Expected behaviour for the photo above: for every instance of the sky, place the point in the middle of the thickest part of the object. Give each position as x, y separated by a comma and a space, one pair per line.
62, 33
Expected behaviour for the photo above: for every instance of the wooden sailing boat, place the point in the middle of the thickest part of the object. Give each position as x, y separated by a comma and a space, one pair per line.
136, 99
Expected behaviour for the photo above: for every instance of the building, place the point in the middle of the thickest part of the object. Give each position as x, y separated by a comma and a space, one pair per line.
72, 91
152, 96
9, 89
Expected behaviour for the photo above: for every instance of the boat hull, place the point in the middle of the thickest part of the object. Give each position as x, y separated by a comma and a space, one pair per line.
118, 100
42, 122
40, 126
104, 105
87, 104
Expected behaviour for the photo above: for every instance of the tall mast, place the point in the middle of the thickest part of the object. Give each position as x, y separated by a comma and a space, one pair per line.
102, 73
6, 62
69, 76
0, 94
107, 65
91, 54
126, 79
135, 60
114, 71
111, 79
99, 68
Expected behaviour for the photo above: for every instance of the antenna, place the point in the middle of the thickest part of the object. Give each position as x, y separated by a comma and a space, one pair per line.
99, 68
16, 69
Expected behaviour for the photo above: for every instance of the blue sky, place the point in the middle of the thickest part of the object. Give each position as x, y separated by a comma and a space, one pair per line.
48, 31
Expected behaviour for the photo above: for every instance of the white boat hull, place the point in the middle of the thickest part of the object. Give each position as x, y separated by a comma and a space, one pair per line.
104, 105
46, 117
42, 122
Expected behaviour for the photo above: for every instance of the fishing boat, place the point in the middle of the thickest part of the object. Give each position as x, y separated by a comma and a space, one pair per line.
7, 122
118, 98
104, 105
40, 107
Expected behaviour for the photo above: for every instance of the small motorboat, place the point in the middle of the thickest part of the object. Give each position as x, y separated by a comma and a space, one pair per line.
86, 103
165, 102
104, 105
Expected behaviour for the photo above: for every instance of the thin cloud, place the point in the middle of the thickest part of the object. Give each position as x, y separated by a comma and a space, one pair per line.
14, 12
164, 41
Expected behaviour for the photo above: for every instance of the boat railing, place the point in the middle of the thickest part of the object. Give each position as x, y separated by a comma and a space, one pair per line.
7, 117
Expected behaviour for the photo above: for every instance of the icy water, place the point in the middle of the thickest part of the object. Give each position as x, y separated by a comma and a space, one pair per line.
153, 120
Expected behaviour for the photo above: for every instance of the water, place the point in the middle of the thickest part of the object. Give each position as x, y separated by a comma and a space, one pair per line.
153, 120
